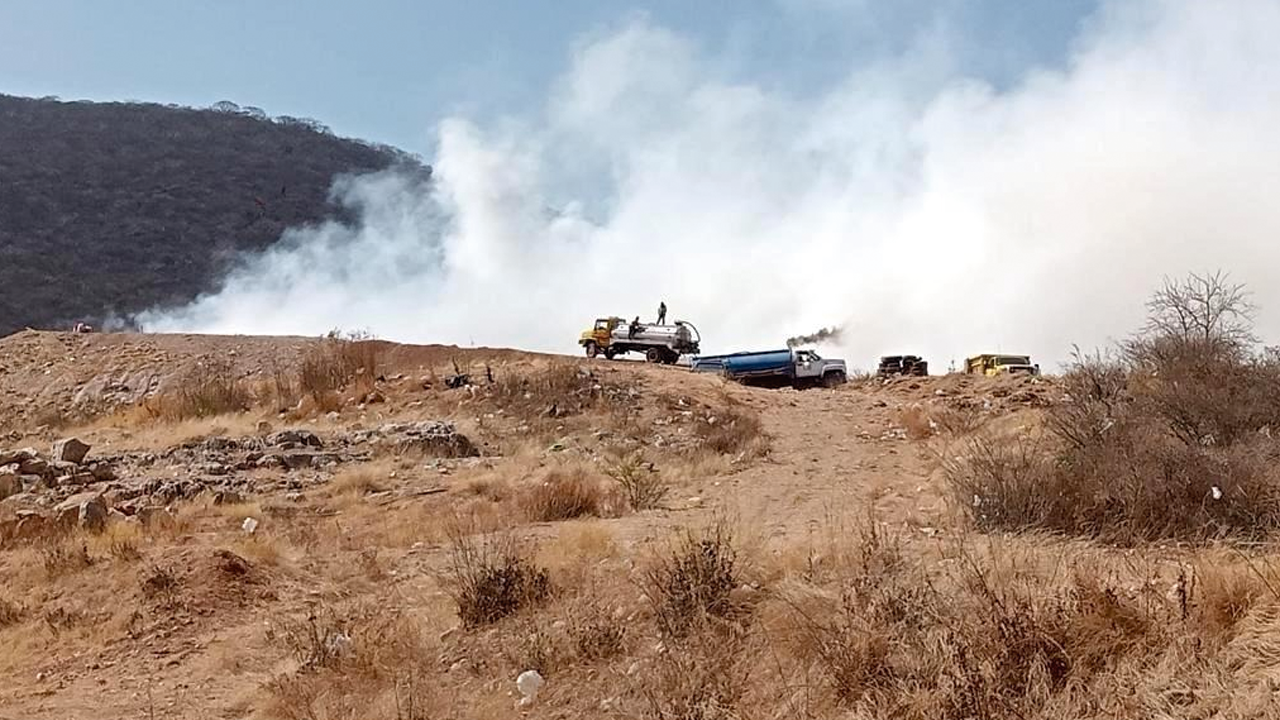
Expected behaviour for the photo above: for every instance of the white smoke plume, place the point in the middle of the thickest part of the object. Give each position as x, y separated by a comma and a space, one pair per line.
919, 211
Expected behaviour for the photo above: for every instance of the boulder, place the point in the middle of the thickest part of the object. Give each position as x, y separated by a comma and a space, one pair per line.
35, 466
15, 457
227, 497
102, 472
86, 510
10, 484
77, 479
70, 450
30, 525
295, 438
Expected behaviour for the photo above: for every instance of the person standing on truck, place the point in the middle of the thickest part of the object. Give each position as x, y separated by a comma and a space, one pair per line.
662, 313
631, 330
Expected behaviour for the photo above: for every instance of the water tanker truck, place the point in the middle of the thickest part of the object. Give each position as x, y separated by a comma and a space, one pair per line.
797, 368
613, 336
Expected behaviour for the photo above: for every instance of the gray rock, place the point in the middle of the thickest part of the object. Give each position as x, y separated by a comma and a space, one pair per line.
295, 438
35, 466
102, 472
70, 450
87, 510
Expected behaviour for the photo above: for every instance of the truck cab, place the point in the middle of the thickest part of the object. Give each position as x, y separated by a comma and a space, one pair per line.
598, 338
810, 367
993, 364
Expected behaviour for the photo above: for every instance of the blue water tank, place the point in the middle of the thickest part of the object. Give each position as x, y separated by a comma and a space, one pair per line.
758, 362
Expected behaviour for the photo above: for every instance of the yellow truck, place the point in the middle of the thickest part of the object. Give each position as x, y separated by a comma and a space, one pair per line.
613, 336
992, 364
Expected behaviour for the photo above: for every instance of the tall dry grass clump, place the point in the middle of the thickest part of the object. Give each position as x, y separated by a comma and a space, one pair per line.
1168, 437
339, 361
1018, 633
208, 388
565, 494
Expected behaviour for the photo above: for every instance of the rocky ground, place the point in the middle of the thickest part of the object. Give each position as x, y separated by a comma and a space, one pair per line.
295, 562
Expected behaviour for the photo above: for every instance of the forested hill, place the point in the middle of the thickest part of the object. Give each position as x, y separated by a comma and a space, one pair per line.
112, 208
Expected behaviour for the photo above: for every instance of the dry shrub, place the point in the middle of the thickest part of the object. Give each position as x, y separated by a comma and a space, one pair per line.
337, 362
10, 612
704, 676
208, 388
730, 431
491, 577
596, 633
565, 494
556, 390
641, 484
993, 634
958, 420
160, 584
64, 558
916, 421
695, 580
355, 661
1171, 437
357, 480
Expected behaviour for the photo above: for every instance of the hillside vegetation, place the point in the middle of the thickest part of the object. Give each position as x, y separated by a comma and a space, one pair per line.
118, 207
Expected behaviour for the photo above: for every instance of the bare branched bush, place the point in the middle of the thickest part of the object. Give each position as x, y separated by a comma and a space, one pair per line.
565, 494
1168, 438
491, 577
641, 484
208, 388
958, 421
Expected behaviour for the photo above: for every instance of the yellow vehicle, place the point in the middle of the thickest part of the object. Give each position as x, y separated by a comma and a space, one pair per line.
999, 364
613, 336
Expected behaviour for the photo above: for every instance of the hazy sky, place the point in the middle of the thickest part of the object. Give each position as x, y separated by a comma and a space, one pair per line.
944, 178
389, 70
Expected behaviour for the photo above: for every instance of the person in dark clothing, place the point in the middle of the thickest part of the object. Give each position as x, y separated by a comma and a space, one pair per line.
662, 313
635, 325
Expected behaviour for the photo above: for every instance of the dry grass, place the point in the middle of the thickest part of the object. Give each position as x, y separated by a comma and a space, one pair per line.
566, 493
333, 365
917, 422
731, 431
357, 480
209, 388
545, 395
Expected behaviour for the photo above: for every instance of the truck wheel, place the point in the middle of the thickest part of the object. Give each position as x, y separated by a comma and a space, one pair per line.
610, 353
592, 349
652, 355
833, 379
